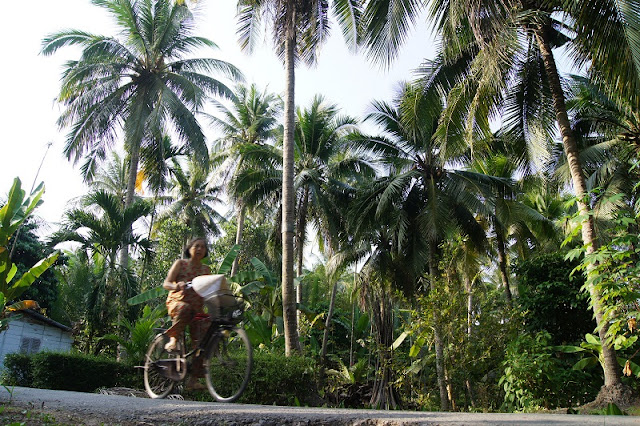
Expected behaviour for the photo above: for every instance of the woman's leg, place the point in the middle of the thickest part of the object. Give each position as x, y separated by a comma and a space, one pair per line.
198, 328
181, 315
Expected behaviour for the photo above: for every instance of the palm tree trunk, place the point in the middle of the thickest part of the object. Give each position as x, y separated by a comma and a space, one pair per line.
124, 251
301, 236
353, 325
134, 158
327, 323
469, 289
325, 336
292, 342
442, 385
502, 262
611, 371
145, 262
383, 394
241, 214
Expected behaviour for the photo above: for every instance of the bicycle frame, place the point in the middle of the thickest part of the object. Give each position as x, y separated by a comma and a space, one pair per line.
177, 368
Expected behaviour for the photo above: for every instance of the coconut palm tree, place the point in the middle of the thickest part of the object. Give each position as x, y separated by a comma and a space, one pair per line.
136, 84
512, 43
299, 29
421, 196
191, 200
510, 220
330, 160
252, 119
609, 134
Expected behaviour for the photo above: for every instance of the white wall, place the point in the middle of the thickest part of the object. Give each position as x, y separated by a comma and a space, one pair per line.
51, 338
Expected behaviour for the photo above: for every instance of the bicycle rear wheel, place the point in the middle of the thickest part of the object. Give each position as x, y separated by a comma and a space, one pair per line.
156, 365
228, 365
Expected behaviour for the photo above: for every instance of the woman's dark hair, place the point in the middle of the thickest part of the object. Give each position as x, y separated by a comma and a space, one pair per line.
190, 244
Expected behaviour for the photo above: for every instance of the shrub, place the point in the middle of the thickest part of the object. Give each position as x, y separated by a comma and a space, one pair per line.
68, 371
279, 380
550, 299
17, 370
534, 377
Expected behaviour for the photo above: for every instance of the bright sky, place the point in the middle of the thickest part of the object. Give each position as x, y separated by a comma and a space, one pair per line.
31, 83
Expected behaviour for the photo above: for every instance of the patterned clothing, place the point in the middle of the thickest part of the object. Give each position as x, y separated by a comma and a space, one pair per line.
183, 307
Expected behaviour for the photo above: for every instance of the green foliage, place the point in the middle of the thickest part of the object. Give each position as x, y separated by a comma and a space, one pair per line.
262, 332
28, 250
613, 271
550, 298
169, 236
472, 352
613, 410
280, 380
227, 262
349, 386
616, 274
12, 215
17, 370
591, 350
140, 334
68, 371
533, 377
84, 300
529, 370
254, 241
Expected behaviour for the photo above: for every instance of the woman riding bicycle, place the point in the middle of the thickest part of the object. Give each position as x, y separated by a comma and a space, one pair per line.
185, 305
224, 348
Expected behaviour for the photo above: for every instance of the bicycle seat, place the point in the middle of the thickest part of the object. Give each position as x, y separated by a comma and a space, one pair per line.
201, 316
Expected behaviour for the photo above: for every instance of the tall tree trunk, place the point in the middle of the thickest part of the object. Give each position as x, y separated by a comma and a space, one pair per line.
611, 371
301, 236
437, 336
469, 289
353, 324
327, 323
502, 262
292, 342
145, 262
325, 336
240, 229
383, 394
134, 158
123, 261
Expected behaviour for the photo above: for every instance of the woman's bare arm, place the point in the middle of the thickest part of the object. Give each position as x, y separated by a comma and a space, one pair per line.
170, 282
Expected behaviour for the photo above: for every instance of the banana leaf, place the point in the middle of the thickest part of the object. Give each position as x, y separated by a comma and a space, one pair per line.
17, 288
154, 293
263, 270
227, 263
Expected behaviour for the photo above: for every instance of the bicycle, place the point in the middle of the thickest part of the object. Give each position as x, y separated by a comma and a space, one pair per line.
227, 352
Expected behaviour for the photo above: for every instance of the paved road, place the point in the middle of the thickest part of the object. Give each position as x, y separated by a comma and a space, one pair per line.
113, 409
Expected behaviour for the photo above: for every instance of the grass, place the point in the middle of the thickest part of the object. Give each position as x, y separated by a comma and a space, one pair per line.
11, 415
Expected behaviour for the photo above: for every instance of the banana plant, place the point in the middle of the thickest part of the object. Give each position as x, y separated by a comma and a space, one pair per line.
12, 214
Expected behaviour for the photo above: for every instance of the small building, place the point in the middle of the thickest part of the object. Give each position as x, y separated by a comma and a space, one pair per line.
33, 332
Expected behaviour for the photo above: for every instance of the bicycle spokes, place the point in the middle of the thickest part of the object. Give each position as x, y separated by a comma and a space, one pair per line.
229, 365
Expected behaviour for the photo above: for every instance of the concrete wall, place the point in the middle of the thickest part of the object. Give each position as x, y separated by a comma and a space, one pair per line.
24, 333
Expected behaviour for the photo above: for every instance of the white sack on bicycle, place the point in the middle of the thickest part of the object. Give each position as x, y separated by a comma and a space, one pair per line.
214, 290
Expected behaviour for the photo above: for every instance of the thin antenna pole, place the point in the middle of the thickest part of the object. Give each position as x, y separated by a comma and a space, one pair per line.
33, 185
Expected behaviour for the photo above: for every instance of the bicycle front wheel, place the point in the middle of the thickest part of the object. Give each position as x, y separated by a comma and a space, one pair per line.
228, 365
156, 382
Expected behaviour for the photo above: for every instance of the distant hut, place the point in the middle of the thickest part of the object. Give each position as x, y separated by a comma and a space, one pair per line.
33, 332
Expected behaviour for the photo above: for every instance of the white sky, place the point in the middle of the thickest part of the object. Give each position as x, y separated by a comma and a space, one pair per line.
31, 83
